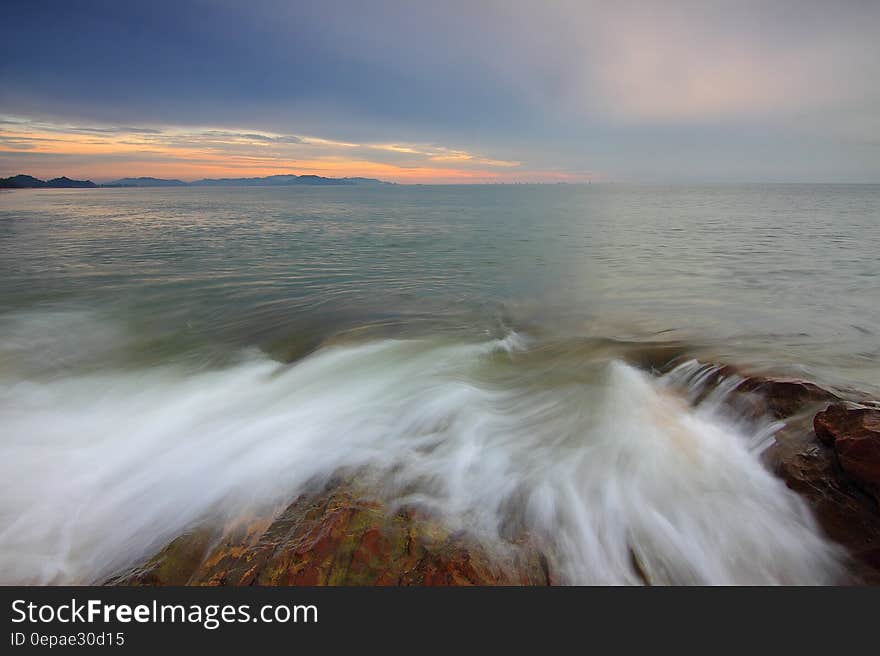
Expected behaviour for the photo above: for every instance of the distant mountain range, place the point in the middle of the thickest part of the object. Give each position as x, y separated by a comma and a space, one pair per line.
284, 180
268, 181
144, 182
30, 182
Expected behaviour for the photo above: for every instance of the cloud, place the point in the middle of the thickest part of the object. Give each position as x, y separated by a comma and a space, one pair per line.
76, 129
112, 130
201, 152
441, 154
710, 62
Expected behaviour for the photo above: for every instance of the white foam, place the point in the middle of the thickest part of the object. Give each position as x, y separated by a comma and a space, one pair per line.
102, 469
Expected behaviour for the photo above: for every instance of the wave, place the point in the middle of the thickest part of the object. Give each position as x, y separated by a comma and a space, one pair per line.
614, 472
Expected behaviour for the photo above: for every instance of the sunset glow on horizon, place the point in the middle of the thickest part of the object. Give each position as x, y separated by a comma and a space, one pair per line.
108, 153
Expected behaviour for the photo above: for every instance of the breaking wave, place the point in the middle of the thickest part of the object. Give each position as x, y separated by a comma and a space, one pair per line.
616, 473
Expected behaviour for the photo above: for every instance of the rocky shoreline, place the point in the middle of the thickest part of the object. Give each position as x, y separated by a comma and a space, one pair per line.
829, 453
341, 534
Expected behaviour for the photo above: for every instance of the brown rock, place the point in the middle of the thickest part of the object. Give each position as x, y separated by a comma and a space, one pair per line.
179, 561
846, 514
813, 467
787, 396
341, 537
854, 433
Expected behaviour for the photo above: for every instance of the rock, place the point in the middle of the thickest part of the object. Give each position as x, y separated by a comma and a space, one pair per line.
343, 535
846, 515
787, 396
178, 562
808, 461
854, 433
340, 537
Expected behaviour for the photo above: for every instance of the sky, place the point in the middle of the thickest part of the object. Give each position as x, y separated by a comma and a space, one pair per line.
443, 92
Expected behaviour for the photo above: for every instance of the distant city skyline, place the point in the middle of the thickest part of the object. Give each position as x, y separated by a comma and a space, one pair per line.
451, 92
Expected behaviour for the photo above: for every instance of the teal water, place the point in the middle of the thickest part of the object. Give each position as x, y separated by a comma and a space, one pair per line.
192, 351
785, 276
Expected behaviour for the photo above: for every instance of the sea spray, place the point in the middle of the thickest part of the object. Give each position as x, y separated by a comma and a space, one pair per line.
613, 473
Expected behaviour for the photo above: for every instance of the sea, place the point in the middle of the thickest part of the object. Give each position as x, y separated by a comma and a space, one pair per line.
496, 355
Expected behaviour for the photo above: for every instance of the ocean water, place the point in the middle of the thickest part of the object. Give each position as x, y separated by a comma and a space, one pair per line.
494, 353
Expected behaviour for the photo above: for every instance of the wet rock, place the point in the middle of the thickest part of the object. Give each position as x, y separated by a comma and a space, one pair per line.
806, 457
180, 560
854, 433
175, 564
341, 537
652, 356
845, 513
787, 396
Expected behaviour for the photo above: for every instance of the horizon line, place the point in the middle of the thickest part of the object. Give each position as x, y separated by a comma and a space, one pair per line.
107, 183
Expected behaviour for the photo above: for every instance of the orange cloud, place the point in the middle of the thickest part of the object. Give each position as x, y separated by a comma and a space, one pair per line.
108, 153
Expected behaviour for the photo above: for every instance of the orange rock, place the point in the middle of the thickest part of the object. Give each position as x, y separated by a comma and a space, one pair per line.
339, 538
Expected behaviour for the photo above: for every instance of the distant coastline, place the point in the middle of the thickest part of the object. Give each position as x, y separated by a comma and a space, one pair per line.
29, 182
23, 181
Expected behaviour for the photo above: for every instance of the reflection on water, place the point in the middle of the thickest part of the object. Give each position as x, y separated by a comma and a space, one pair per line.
191, 352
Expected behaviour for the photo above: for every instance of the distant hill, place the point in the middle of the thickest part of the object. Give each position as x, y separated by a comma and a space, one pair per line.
144, 182
30, 182
367, 181
285, 180
66, 183
21, 182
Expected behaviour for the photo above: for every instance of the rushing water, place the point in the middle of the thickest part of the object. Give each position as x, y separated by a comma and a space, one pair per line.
169, 355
